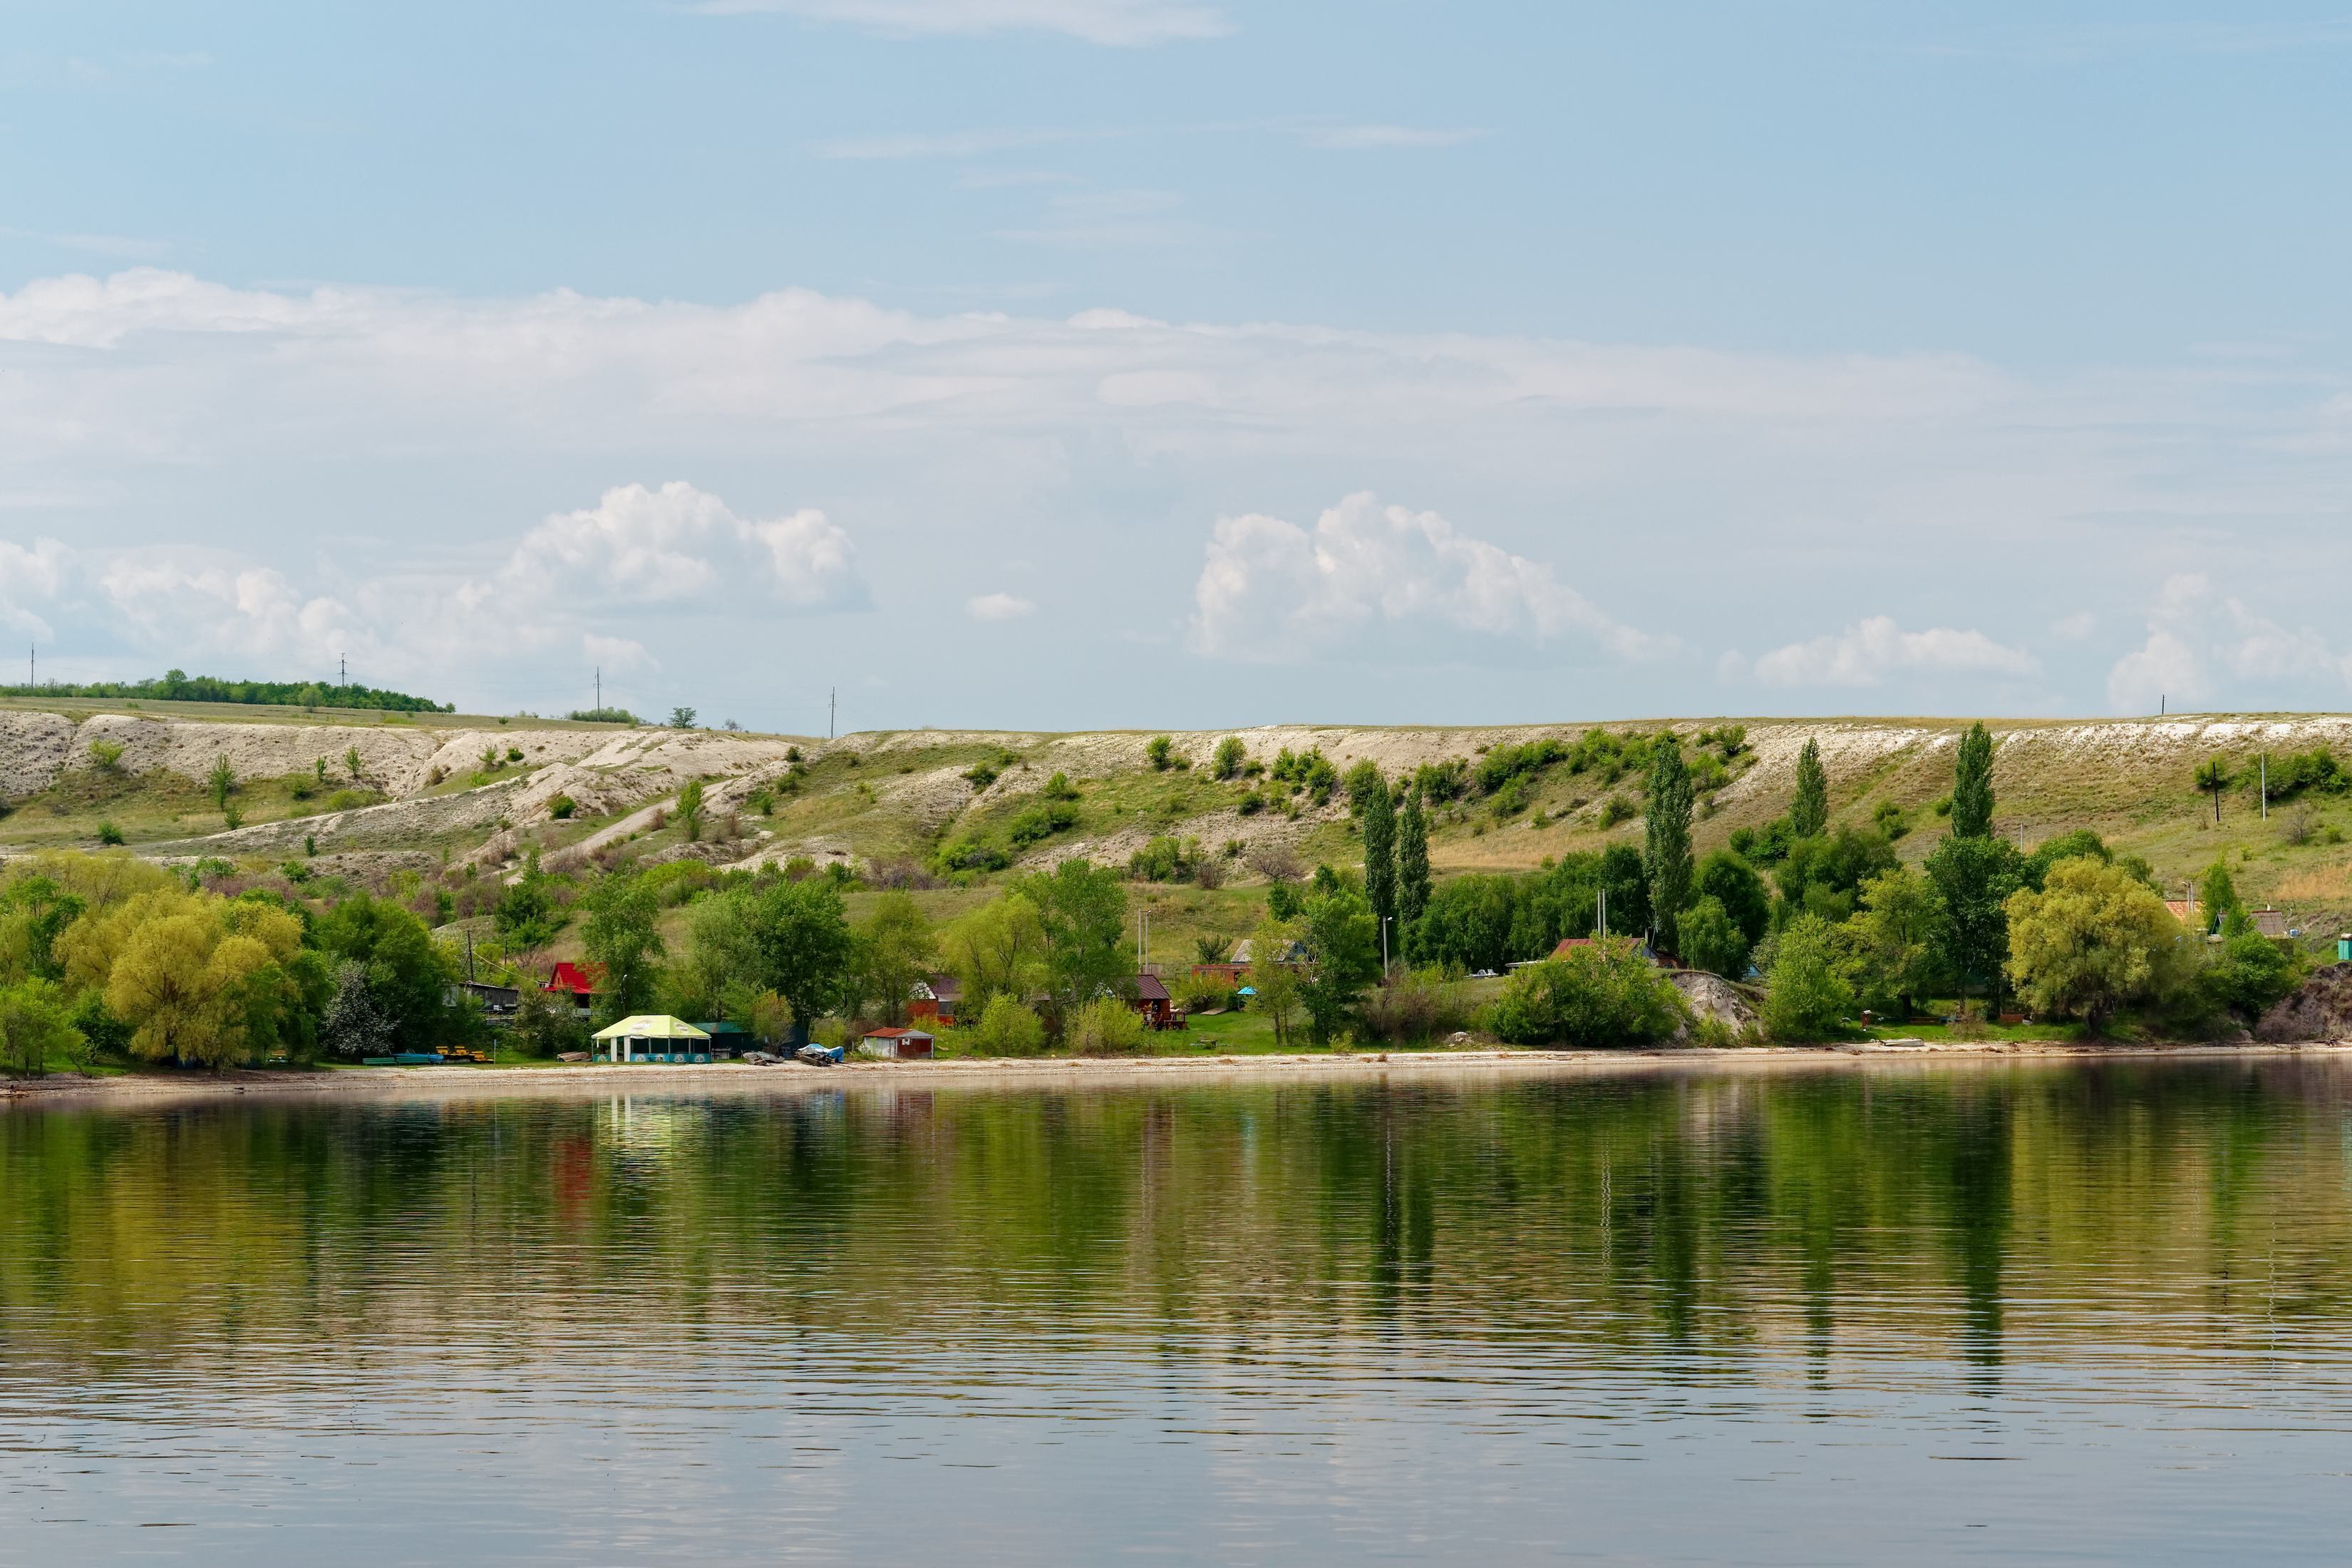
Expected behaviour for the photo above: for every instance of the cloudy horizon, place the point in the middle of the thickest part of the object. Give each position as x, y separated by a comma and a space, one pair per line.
1132, 468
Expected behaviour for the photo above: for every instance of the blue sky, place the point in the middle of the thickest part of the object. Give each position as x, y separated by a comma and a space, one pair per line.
1065, 363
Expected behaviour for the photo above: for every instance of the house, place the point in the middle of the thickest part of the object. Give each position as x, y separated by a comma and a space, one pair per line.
570, 977
1225, 974
935, 1000
897, 1045
498, 1001
1294, 952
652, 1037
1568, 944
1159, 1009
2268, 922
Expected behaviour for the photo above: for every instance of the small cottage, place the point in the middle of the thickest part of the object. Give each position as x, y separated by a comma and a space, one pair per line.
897, 1045
1159, 1009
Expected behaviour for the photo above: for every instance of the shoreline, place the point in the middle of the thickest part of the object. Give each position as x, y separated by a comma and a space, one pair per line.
1086, 1071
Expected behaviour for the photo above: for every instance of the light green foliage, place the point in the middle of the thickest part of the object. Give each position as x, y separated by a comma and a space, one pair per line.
1806, 994
1276, 982
1230, 752
997, 950
109, 834
1165, 860
1667, 844
1897, 939
1809, 812
1105, 1026
1161, 753
35, 1029
35, 910
1972, 783
2218, 894
1713, 941
690, 810
1082, 915
1211, 947
896, 950
352, 760
1598, 997
2094, 938
1890, 821
1308, 772
106, 756
1973, 878
1009, 1028
219, 782
527, 915
2251, 971
620, 937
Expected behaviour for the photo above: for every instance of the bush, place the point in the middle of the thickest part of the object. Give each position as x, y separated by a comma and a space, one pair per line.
106, 755
1712, 940
1616, 810
1009, 1029
1414, 1006
1605, 995
562, 806
1230, 752
109, 834
1040, 823
1806, 994
2251, 974
1108, 1026
1162, 753
1164, 859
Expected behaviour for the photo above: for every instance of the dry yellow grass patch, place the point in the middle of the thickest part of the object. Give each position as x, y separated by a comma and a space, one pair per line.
2317, 882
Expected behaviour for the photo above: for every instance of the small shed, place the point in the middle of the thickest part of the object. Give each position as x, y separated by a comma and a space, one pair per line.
897, 1045
652, 1037
1159, 1009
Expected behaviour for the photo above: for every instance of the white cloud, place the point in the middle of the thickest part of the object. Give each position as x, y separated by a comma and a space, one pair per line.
2191, 630
1127, 22
1272, 591
997, 607
678, 545
1368, 138
1867, 652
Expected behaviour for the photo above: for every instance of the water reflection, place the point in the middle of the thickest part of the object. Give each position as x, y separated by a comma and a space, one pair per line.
1517, 1319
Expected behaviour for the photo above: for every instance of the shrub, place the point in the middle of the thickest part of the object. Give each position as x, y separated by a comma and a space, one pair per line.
1230, 752
562, 806
1414, 1006
1164, 859
1010, 1028
514, 753
1616, 809
1059, 787
1040, 823
1108, 1025
1209, 872
1712, 940
109, 834
1806, 994
1605, 995
106, 756
1161, 750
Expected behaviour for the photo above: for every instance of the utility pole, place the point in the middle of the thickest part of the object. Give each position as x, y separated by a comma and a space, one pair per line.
1605, 915
1384, 942
32, 665
2266, 786
343, 670
600, 688
832, 701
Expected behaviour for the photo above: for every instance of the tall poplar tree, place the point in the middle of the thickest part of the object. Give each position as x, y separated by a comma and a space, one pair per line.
1667, 840
1808, 814
1411, 860
1380, 860
1972, 784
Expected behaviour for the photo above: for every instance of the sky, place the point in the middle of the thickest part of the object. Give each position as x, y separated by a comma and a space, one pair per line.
1185, 363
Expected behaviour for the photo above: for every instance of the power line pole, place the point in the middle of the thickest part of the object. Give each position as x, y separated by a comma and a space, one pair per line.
343, 670
600, 688
832, 702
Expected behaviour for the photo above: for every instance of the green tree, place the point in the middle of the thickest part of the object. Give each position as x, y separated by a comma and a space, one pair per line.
1712, 939
1808, 814
541, 1025
1972, 784
1009, 1028
526, 914
897, 949
34, 913
1806, 994
1161, 753
2094, 938
997, 950
1273, 979
408, 976
1899, 938
1666, 842
1627, 884
808, 942
1412, 882
2213, 775
36, 1029
622, 937
1380, 860
1082, 915
1230, 752
2251, 972
1598, 997
352, 760
220, 782
1734, 883
681, 718
1343, 957
2219, 896
689, 810
1973, 878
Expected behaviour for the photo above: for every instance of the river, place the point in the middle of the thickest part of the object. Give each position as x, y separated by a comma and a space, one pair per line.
2079, 1312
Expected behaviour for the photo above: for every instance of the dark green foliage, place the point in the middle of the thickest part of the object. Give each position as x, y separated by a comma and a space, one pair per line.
1823, 875
1730, 741
1806, 996
406, 974
1974, 877
981, 775
1443, 782
1766, 846
1627, 882
1809, 812
1310, 773
2218, 894
1082, 913
109, 834
969, 855
1972, 783
2317, 772
1411, 864
1503, 766
1735, 884
804, 945
46, 911
528, 914
562, 807
1610, 755
174, 686
1040, 823
1666, 843
1379, 852
1164, 859
602, 716
1343, 957
1598, 997
1281, 900
1161, 751
2252, 972
2212, 776
2065, 847
1890, 821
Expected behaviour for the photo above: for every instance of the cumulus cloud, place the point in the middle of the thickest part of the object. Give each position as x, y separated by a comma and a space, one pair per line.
997, 607
1128, 22
678, 543
1274, 591
1868, 651
2196, 636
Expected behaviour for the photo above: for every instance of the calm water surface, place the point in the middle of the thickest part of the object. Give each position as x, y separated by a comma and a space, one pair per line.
1913, 1313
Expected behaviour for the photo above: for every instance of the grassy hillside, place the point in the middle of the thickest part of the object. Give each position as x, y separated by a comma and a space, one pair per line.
461, 792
